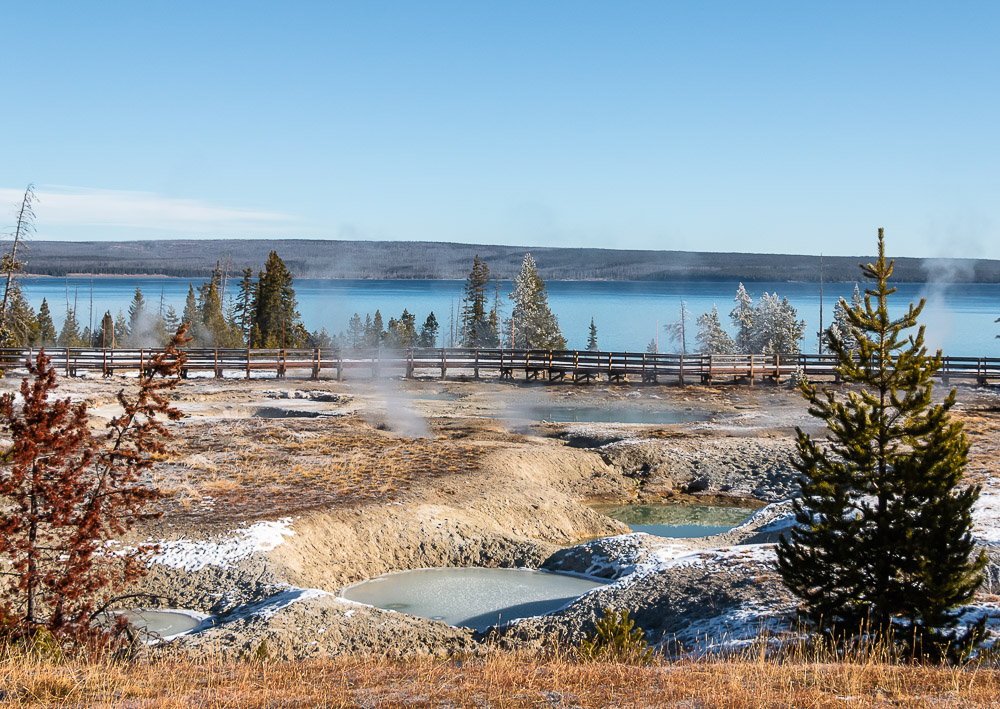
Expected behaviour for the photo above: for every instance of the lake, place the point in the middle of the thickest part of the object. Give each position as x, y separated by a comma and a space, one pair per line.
959, 318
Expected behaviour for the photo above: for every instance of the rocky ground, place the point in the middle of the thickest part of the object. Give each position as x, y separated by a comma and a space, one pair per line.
279, 493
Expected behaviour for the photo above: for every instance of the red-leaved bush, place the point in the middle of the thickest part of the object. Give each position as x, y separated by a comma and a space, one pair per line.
65, 493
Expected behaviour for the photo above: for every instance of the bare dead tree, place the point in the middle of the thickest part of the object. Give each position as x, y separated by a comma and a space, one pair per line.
9, 264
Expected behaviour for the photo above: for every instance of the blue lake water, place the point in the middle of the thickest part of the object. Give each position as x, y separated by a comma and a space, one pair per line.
960, 318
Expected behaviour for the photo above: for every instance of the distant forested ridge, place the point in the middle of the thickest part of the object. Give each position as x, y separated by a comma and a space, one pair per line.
307, 258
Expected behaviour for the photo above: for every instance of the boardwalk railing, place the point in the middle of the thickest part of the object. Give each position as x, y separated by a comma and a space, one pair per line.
554, 365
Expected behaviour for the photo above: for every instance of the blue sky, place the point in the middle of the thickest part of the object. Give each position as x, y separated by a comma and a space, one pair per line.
773, 127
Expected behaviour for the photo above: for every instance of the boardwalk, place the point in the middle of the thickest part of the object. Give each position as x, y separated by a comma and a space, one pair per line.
527, 365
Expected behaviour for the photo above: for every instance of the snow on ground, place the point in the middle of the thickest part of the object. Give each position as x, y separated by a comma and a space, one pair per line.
268, 607
191, 555
986, 517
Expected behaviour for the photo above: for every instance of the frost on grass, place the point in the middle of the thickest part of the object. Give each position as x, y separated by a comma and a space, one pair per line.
190, 555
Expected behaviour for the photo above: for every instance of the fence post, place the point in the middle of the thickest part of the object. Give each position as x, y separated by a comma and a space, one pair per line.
475, 366
680, 376
218, 373
444, 362
317, 362
248, 362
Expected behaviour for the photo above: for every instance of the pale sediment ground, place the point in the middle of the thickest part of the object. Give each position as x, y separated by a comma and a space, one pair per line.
279, 493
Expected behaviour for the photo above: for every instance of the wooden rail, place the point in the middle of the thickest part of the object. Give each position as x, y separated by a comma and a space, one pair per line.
553, 365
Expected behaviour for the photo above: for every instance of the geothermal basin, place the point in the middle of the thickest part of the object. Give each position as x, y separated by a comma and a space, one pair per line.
677, 521
471, 597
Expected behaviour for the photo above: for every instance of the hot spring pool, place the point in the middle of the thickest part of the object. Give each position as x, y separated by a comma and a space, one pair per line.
164, 623
677, 521
471, 597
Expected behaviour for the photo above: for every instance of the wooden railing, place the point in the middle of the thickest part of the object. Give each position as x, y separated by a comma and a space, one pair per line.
554, 365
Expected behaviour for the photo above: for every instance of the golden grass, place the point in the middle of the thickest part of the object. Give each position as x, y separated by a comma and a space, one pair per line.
500, 679
243, 469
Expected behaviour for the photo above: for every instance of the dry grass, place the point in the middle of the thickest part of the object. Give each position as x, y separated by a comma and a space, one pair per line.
249, 468
499, 679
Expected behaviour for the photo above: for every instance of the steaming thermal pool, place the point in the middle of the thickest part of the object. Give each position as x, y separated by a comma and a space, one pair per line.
677, 521
471, 597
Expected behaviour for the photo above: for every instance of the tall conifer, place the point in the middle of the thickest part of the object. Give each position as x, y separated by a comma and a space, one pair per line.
883, 536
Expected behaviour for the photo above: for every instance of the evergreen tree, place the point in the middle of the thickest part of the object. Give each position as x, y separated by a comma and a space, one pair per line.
22, 325
375, 334
121, 330
105, 337
276, 319
841, 322
46, 328
592, 336
192, 316
884, 531
777, 329
651, 348
69, 336
533, 324
479, 327
214, 329
355, 332
245, 305
742, 317
429, 332
137, 319
171, 321
403, 332
712, 339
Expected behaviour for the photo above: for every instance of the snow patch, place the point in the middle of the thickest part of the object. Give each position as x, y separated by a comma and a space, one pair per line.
190, 555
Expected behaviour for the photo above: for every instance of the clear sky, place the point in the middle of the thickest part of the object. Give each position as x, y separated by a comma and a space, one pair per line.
749, 126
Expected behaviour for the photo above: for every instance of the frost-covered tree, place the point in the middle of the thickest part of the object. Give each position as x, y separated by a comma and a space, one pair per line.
677, 331
841, 324
712, 338
742, 317
533, 326
777, 329
883, 542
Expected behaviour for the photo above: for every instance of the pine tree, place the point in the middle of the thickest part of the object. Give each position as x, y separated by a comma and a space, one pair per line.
712, 339
479, 327
652, 348
192, 316
105, 337
46, 328
121, 330
137, 319
533, 324
742, 317
69, 336
68, 494
355, 332
592, 337
276, 319
403, 332
376, 334
22, 324
215, 330
429, 332
841, 322
245, 304
883, 532
171, 321
777, 329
